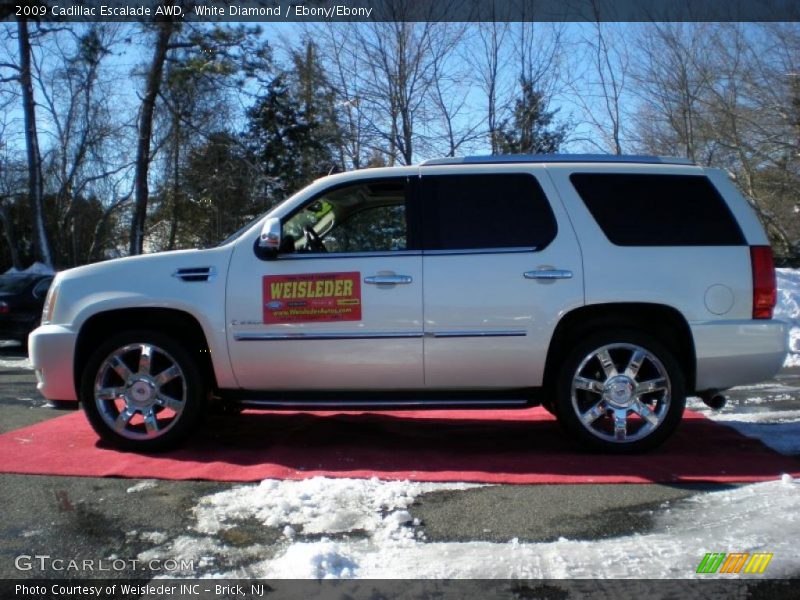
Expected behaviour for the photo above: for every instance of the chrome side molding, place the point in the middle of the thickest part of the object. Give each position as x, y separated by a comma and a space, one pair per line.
469, 334
373, 335
361, 335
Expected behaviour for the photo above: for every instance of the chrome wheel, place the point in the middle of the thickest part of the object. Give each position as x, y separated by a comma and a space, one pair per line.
140, 391
621, 393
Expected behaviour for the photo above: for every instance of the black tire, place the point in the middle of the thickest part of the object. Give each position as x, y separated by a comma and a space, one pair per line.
187, 392
620, 394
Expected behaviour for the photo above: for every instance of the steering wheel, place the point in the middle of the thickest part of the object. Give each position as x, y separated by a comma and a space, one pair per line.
314, 241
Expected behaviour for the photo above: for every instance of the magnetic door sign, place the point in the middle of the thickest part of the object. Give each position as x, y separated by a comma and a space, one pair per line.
312, 297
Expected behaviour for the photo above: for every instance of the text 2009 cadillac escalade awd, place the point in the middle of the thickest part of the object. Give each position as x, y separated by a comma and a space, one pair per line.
606, 289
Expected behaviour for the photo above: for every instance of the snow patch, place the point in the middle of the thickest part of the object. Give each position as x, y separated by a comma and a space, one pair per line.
318, 560
16, 363
154, 537
141, 486
788, 309
760, 517
319, 505
778, 429
383, 541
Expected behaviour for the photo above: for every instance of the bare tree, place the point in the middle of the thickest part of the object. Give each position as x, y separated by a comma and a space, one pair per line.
490, 64
164, 32
672, 77
77, 104
605, 84
725, 95
22, 75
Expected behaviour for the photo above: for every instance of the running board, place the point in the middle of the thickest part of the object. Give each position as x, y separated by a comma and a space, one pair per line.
376, 404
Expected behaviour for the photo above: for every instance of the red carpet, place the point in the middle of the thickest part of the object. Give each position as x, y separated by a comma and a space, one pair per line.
503, 446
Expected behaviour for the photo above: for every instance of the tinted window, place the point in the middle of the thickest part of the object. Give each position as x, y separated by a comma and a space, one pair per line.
658, 210
485, 211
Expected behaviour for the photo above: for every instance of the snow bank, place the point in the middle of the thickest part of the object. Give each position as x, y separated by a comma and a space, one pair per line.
788, 309
381, 541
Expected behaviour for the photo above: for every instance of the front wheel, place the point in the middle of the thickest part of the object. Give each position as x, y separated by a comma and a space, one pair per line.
620, 392
142, 391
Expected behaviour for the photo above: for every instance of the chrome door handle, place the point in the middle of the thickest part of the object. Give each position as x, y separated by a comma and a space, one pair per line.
548, 274
387, 279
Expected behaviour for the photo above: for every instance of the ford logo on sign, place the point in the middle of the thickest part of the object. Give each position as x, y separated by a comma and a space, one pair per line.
274, 305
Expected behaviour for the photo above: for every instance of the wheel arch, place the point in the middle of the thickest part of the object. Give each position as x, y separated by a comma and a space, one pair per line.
178, 323
664, 322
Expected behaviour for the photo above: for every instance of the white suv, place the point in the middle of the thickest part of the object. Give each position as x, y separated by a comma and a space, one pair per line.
604, 288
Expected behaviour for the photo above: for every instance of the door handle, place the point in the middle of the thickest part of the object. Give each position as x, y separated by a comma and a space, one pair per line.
387, 279
548, 274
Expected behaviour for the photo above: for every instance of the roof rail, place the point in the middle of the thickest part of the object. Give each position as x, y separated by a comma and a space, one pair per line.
556, 158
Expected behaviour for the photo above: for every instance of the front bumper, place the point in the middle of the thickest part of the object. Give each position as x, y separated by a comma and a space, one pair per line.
731, 353
51, 349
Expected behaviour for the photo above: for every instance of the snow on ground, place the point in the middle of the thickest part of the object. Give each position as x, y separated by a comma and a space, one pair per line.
788, 309
146, 484
760, 418
370, 533
11, 361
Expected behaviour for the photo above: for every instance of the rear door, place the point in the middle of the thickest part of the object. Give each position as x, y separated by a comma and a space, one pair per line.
501, 265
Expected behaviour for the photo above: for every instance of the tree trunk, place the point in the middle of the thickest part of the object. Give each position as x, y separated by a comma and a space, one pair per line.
8, 233
147, 110
176, 149
35, 189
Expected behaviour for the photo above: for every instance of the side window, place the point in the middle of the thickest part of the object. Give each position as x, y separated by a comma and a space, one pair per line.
473, 212
658, 210
370, 230
367, 216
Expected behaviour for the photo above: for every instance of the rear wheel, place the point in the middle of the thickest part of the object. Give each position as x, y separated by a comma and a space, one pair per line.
621, 392
141, 390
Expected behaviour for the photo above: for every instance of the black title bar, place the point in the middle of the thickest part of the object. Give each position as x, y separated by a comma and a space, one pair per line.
402, 10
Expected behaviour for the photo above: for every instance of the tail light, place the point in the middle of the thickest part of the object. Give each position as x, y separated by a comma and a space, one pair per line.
764, 287
4, 308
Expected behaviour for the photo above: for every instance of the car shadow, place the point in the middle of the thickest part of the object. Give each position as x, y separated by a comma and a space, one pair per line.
524, 450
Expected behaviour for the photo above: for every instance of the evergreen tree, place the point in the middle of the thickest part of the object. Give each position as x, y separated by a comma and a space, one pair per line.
533, 130
292, 130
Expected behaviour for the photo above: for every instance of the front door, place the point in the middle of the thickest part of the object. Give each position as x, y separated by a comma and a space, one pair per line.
340, 308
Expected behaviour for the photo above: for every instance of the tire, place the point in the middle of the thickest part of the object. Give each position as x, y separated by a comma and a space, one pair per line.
142, 391
620, 392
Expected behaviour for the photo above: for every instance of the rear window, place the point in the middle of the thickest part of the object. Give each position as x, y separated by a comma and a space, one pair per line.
473, 212
658, 210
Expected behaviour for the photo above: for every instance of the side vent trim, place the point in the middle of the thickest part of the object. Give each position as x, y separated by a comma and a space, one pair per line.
194, 274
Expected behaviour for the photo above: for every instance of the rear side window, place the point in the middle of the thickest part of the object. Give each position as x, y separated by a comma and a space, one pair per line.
658, 210
472, 212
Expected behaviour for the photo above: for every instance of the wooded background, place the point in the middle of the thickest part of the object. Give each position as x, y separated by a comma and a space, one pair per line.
122, 138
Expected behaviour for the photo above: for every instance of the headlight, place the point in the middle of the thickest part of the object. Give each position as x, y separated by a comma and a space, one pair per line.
50, 302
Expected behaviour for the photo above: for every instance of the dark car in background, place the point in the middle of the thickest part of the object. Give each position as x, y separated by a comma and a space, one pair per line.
21, 300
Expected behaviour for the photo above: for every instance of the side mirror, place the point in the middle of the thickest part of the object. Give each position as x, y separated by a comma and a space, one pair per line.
269, 241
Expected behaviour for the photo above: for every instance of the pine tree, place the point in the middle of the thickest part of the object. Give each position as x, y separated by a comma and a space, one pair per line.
533, 130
